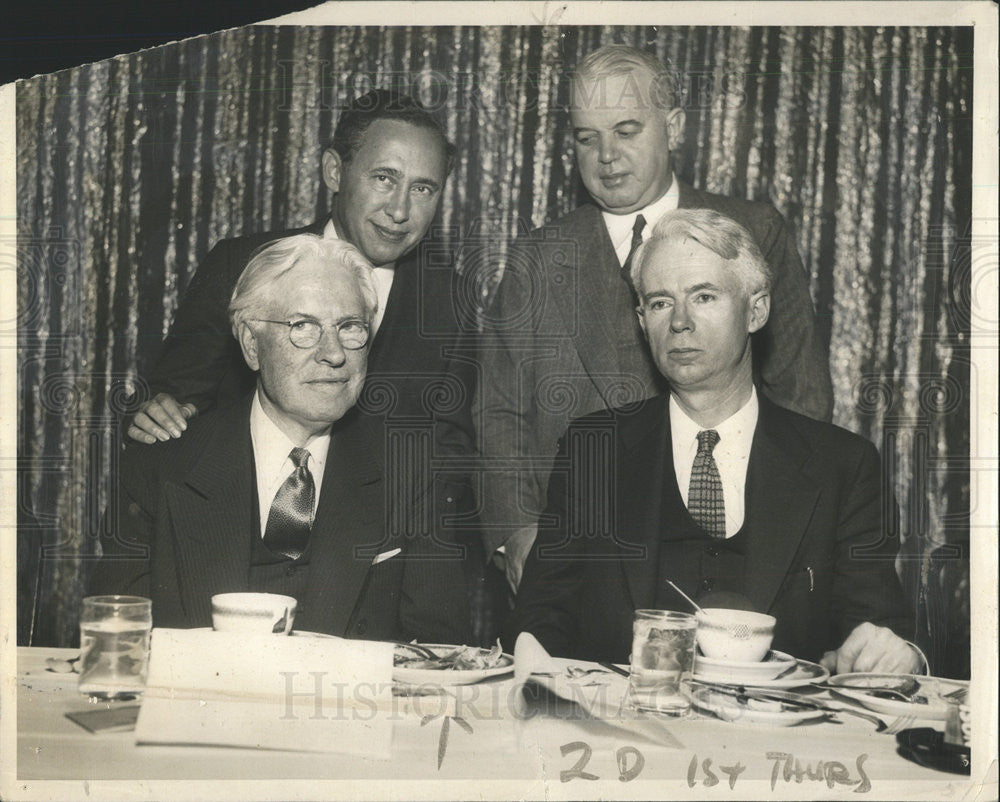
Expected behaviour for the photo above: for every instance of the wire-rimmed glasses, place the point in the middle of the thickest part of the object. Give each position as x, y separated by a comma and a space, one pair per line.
353, 334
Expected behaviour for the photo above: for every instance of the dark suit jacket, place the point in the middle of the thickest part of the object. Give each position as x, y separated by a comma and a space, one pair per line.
411, 373
185, 515
814, 499
560, 342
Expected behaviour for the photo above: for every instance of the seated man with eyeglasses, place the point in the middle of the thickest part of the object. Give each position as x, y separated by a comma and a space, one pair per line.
287, 491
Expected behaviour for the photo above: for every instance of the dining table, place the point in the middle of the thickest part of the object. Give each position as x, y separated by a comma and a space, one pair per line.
495, 739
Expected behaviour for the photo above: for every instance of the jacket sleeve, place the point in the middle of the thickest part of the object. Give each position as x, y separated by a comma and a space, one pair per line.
866, 586
200, 349
516, 440
792, 364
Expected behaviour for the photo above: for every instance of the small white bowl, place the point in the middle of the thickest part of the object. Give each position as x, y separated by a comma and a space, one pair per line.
734, 635
253, 612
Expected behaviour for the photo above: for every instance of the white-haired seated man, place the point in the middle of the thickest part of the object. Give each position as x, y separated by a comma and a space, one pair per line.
286, 491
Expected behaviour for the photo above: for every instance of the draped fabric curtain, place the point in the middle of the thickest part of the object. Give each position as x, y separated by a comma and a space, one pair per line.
130, 169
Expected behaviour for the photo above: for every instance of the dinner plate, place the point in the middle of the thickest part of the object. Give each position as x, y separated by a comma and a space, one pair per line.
450, 676
856, 687
804, 673
754, 712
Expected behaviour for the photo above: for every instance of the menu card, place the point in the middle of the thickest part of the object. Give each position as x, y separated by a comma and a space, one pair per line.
268, 692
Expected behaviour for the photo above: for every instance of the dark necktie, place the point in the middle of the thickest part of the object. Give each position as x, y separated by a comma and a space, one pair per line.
705, 501
640, 224
291, 515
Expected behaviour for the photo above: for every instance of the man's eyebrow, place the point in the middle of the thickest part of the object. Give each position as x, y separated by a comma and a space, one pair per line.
705, 285
398, 174
623, 123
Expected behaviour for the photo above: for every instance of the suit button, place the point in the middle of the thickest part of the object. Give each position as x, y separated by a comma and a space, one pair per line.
712, 551
362, 626
707, 584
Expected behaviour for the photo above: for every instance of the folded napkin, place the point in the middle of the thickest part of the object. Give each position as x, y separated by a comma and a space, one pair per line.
595, 689
268, 692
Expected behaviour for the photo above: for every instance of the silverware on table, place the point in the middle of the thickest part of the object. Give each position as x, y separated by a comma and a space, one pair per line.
743, 695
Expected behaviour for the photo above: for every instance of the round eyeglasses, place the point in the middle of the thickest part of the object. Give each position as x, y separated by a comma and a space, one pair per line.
353, 334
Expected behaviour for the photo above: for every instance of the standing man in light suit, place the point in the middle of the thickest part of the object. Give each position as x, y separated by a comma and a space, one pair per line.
561, 338
714, 487
285, 490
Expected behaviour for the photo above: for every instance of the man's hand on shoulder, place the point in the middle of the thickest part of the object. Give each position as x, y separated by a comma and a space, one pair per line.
870, 648
160, 418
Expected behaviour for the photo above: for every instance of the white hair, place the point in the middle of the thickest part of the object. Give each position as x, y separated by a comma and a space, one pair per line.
272, 261
720, 234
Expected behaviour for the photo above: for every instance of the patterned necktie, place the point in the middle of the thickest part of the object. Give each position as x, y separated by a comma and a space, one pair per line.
640, 224
291, 515
705, 501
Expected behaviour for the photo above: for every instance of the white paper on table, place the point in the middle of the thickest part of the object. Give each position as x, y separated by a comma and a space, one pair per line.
268, 692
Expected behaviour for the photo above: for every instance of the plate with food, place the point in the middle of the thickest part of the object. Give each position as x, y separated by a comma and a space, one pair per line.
746, 709
441, 664
902, 694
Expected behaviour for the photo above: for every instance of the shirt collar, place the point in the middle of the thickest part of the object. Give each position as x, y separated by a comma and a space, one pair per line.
330, 230
620, 225
271, 446
735, 432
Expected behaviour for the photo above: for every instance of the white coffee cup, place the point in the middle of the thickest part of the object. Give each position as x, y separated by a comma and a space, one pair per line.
253, 612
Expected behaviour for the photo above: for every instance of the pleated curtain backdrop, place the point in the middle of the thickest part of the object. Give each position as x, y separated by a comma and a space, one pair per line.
129, 170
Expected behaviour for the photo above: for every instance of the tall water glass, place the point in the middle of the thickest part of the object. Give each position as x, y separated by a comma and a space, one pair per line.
662, 661
114, 645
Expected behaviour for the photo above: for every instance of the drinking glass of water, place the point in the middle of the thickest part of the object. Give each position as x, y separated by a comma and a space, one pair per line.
662, 661
114, 645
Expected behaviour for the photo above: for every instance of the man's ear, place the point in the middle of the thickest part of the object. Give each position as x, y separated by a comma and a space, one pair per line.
760, 309
675, 127
248, 344
331, 169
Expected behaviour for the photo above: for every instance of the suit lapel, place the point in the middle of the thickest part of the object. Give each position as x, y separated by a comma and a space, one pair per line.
350, 524
581, 286
646, 456
780, 504
211, 515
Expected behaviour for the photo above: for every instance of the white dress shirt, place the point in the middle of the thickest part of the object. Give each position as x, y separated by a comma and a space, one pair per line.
620, 225
383, 277
731, 453
273, 465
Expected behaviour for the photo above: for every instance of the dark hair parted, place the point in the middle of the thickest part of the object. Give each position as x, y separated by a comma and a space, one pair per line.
384, 104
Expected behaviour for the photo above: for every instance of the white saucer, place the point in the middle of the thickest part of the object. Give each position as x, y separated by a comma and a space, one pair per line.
803, 673
293, 633
742, 673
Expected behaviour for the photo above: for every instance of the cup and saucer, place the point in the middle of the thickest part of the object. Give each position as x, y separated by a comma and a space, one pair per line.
734, 648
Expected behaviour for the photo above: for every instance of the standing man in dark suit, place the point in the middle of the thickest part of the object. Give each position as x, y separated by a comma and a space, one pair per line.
284, 491
387, 168
713, 486
562, 340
